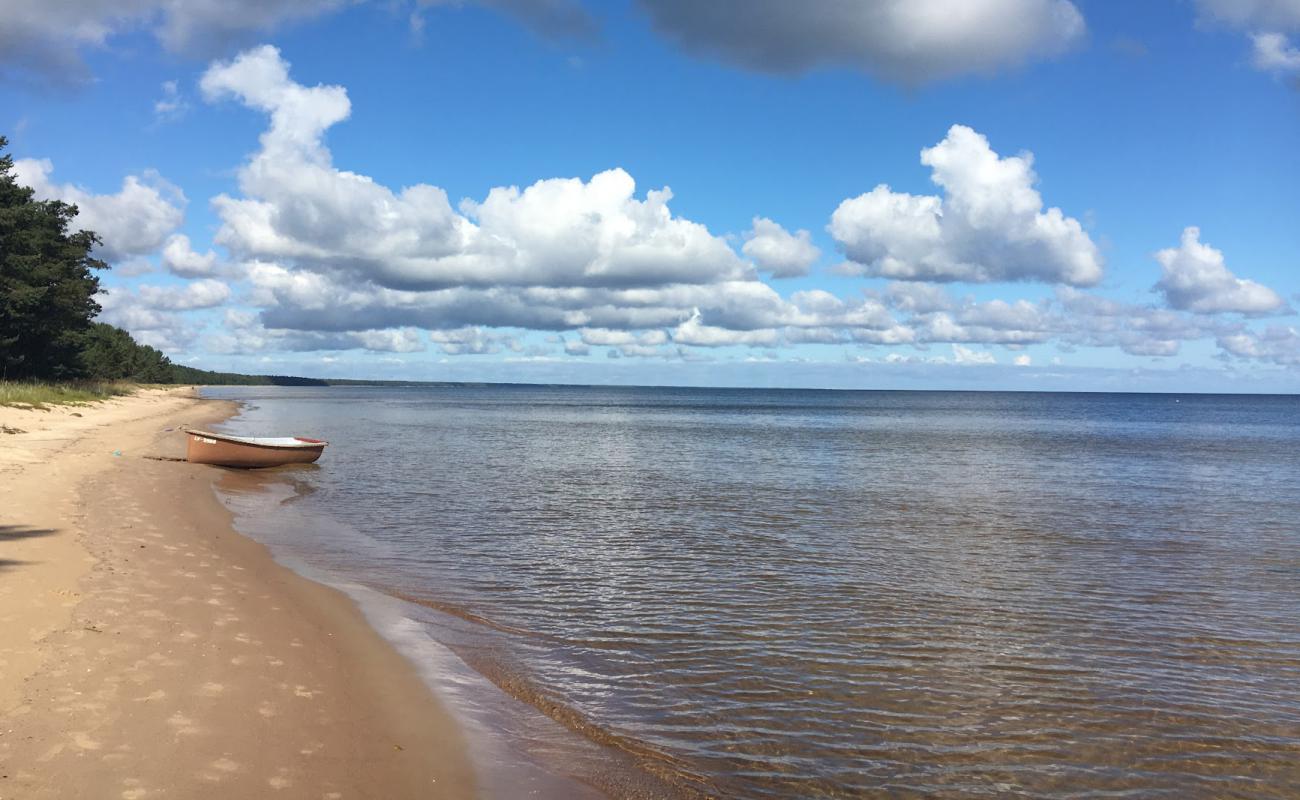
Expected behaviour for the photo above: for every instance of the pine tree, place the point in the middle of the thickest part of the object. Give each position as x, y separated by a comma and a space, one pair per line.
47, 283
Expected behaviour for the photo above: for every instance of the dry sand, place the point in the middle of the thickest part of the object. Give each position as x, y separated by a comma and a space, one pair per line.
147, 650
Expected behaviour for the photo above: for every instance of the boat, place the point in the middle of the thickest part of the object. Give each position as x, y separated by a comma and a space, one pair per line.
225, 450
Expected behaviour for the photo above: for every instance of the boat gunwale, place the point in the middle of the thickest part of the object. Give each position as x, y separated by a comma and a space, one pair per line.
247, 442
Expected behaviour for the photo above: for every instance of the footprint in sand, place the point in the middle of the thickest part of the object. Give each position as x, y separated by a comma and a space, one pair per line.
280, 781
182, 725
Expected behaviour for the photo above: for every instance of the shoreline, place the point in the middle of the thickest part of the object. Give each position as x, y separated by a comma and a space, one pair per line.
148, 648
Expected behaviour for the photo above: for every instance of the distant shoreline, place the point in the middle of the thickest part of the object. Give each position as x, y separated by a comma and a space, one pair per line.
277, 380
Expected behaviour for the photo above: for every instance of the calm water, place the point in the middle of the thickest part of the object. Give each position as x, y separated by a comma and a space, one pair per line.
799, 593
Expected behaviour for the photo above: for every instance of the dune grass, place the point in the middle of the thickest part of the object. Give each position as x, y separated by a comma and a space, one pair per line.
39, 395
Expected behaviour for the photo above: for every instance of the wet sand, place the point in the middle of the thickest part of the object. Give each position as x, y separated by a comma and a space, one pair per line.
147, 650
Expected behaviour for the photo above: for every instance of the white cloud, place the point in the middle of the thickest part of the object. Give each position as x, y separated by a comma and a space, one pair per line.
994, 322
1266, 20
205, 293
335, 260
134, 221
472, 340
243, 333
779, 252
989, 225
1195, 278
1277, 344
643, 344
694, 332
394, 340
1092, 321
171, 106
1023, 360
133, 267
575, 347
163, 329
920, 298
181, 259
560, 232
910, 41
965, 355
1274, 53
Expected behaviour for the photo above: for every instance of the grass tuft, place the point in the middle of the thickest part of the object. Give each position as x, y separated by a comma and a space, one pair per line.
40, 396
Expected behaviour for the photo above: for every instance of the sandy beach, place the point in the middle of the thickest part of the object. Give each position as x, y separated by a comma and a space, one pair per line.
148, 650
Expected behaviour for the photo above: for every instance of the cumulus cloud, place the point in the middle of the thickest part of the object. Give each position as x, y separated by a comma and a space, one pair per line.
910, 41
333, 259
627, 342
990, 224
559, 232
994, 322
1266, 20
473, 340
694, 332
1092, 321
198, 294
576, 347
1276, 344
1195, 278
243, 333
920, 298
778, 252
134, 221
965, 355
166, 330
180, 258
393, 340
1274, 53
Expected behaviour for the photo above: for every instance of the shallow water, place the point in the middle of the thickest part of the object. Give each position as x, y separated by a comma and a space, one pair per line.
797, 593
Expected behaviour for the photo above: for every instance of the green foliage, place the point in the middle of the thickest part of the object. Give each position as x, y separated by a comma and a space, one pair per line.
109, 353
39, 395
204, 377
47, 286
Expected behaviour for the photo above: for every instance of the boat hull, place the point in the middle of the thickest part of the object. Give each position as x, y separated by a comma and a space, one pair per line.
203, 448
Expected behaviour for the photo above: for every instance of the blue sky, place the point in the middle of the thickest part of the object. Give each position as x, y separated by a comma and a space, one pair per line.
1164, 133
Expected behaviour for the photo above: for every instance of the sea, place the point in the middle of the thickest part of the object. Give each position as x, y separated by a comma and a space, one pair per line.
680, 592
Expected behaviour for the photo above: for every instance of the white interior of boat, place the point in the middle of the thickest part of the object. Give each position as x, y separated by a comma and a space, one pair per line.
260, 441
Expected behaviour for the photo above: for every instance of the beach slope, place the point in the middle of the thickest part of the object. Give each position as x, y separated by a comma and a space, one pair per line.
148, 650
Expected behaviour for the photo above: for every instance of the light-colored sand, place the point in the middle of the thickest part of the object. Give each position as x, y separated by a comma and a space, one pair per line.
146, 650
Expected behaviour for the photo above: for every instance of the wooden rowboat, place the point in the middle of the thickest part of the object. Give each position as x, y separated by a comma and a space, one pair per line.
250, 451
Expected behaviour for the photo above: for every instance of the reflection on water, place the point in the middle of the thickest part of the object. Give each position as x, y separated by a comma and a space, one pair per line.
758, 593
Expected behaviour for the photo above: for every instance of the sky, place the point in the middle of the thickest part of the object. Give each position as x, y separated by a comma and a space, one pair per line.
993, 194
